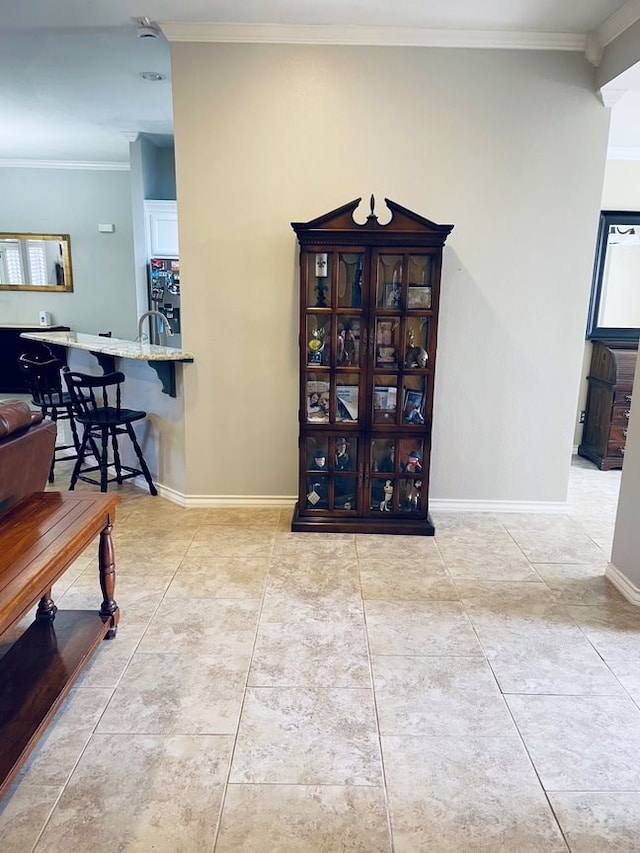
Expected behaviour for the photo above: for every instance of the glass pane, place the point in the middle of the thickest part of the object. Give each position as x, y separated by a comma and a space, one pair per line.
319, 279
318, 328
350, 280
385, 399
317, 396
389, 281
410, 494
317, 478
345, 453
383, 455
345, 491
417, 342
382, 494
382, 475
410, 486
347, 397
411, 455
419, 270
387, 343
413, 400
343, 465
348, 346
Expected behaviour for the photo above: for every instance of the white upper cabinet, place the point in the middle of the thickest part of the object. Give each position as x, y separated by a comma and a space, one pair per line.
161, 220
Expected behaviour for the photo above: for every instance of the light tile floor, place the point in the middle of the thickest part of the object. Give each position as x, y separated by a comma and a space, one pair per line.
313, 693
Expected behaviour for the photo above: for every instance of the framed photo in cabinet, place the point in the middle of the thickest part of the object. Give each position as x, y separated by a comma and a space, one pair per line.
413, 407
347, 402
392, 295
418, 297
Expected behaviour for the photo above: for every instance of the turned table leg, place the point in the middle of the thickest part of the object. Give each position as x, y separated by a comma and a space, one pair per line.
109, 611
46, 608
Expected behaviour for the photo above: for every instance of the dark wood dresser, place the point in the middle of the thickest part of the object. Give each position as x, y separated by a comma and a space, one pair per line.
608, 403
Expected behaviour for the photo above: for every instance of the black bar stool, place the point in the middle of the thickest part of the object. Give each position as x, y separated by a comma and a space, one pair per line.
97, 406
42, 378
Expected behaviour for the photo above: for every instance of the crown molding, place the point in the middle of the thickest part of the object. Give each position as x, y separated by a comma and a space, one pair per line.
65, 164
623, 153
176, 31
616, 24
610, 29
610, 97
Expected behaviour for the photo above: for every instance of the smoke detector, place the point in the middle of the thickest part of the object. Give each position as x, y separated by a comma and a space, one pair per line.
147, 29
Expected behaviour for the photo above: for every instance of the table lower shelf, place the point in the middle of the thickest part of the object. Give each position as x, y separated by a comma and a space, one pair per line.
36, 674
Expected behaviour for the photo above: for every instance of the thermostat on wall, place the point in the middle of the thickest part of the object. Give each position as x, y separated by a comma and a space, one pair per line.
107, 228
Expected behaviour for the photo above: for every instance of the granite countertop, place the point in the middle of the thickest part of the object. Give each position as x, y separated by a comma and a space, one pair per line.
110, 346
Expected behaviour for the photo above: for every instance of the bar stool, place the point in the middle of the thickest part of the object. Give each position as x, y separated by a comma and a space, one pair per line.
97, 406
42, 378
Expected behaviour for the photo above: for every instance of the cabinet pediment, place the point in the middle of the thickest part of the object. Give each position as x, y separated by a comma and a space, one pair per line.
339, 226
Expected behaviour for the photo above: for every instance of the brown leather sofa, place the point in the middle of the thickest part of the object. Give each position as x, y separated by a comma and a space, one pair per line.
27, 445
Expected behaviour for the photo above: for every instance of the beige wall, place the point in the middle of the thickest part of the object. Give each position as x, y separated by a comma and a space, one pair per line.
621, 190
626, 541
507, 145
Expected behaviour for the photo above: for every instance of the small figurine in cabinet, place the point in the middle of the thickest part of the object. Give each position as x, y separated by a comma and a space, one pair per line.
343, 460
386, 504
317, 484
413, 465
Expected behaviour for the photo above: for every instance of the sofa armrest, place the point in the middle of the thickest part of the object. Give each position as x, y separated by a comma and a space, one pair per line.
27, 445
16, 415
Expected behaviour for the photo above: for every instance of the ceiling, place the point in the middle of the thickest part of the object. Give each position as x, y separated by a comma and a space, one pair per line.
70, 85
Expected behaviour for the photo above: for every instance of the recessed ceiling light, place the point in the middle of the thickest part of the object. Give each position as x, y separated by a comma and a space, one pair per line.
147, 29
154, 76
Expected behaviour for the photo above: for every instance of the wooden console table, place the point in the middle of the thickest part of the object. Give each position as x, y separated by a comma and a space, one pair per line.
40, 536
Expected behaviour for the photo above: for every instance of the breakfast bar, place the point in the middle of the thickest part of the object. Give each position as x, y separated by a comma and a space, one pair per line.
106, 350
154, 384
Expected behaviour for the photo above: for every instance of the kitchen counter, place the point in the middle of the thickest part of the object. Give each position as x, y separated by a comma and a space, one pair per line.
106, 350
111, 346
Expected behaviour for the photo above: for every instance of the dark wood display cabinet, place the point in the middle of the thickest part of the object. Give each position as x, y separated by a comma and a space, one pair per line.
368, 333
610, 379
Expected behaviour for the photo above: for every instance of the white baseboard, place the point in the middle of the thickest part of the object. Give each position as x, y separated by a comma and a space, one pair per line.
446, 505
248, 501
623, 584
287, 501
219, 501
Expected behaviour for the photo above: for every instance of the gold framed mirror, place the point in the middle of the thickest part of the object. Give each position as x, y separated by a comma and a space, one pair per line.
36, 262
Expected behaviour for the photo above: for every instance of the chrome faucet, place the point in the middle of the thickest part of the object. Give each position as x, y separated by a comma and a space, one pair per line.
167, 325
